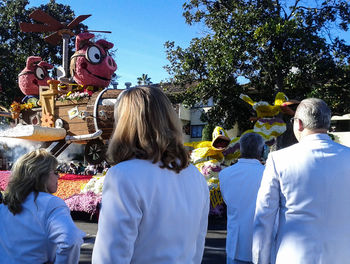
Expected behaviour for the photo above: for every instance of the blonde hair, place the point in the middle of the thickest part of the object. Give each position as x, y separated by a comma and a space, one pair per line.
29, 174
147, 127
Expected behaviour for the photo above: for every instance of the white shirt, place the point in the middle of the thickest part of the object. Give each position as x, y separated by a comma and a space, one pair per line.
239, 185
152, 215
309, 183
43, 231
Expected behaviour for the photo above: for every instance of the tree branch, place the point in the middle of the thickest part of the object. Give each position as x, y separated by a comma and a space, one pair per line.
295, 7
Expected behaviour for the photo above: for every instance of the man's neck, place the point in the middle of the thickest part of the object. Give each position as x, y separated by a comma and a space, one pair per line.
307, 132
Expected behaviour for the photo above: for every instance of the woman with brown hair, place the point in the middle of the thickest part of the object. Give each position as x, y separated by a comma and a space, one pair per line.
36, 226
154, 204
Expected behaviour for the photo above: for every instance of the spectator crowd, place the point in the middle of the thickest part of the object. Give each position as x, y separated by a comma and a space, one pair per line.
80, 169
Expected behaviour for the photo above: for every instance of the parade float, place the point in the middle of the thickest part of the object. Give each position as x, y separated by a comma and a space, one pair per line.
210, 157
73, 109
76, 108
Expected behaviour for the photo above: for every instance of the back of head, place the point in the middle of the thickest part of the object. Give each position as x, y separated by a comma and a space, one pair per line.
251, 146
314, 114
29, 174
147, 127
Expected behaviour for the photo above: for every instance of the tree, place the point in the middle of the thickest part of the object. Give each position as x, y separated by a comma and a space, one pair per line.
207, 132
16, 46
276, 45
144, 80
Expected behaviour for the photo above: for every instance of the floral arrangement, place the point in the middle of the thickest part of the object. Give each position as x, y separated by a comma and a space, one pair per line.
84, 202
4, 179
73, 96
71, 185
210, 169
95, 185
16, 108
89, 198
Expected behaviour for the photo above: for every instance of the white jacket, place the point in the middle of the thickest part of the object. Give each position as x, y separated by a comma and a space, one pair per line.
309, 183
152, 215
239, 185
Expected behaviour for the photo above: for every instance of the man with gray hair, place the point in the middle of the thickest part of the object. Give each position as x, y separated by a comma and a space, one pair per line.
308, 185
239, 186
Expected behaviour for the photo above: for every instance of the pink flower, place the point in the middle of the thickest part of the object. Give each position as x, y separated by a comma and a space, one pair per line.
84, 202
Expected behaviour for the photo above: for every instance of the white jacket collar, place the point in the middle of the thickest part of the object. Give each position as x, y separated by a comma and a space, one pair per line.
319, 136
242, 160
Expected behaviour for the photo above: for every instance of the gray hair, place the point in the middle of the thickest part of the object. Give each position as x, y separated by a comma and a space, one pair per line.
251, 146
314, 114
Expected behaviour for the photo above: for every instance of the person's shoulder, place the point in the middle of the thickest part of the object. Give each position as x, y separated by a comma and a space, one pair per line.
43, 203
191, 167
49, 200
130, 170
195, 177
341, 149
340, 146
285, 151
132, 165
227, 170
192, 170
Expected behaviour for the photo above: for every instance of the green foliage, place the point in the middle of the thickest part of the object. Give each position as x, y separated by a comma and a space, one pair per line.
207, 132
16, 46
144, 80
275, 45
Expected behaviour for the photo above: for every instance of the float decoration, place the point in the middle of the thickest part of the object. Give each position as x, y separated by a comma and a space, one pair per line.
62, 31
35, 74
73, 96
210, 157
206, 150
44, 115
91, 64
267, 124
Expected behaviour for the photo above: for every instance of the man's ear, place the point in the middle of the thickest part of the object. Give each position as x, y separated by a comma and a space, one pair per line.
300, 125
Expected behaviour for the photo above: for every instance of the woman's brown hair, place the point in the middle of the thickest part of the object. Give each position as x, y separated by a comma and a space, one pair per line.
29, 174
147, 127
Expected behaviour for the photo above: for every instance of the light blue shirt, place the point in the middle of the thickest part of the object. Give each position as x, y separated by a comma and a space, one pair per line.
43, 231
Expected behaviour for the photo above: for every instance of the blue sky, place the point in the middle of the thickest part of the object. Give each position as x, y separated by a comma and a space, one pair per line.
139, 30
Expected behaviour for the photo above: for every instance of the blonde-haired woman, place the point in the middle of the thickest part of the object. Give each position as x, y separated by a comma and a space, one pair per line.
36, 226
154, 204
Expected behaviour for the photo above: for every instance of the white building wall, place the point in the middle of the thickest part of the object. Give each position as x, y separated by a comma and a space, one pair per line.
184, 113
